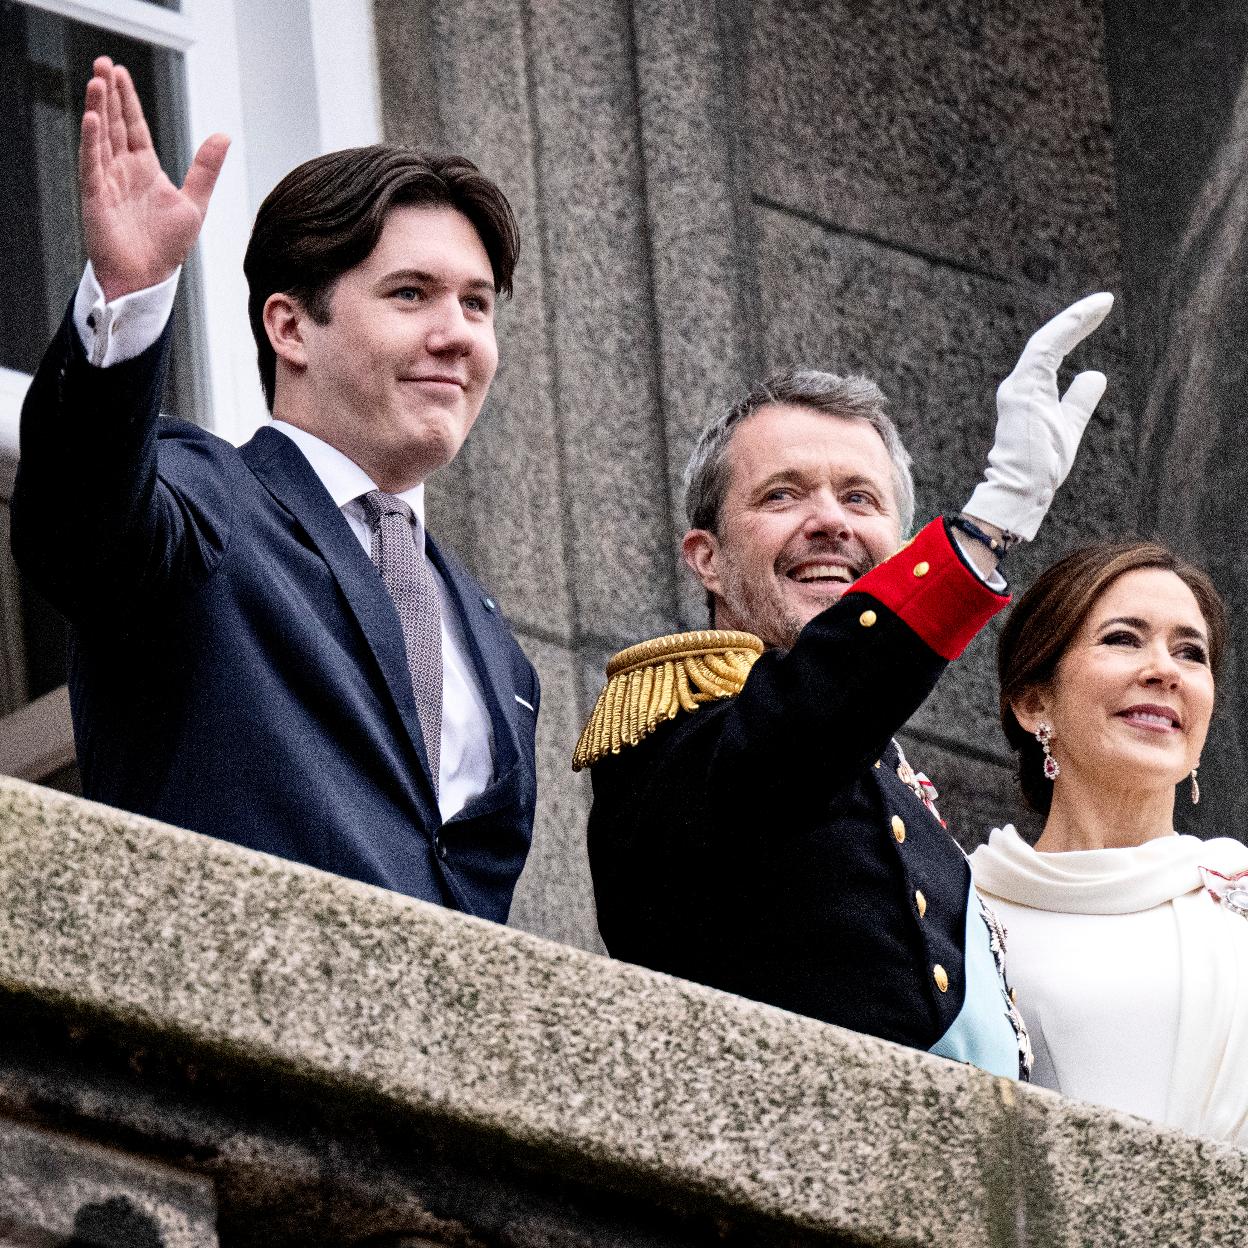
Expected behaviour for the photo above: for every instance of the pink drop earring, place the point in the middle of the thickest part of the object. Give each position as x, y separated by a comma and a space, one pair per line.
1044, 734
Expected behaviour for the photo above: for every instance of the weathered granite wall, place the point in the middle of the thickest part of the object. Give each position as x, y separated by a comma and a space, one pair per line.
1179, 75
714, 189
203, 1046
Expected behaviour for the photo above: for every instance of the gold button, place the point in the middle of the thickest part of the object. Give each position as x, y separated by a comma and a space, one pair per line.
920, 901
866, 619
899, 829
922, 568
942, 980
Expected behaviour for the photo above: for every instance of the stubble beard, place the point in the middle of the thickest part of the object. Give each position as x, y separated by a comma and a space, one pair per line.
758, 609
761, 608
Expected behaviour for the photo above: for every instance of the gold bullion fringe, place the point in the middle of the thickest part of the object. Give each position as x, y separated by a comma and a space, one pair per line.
657, 679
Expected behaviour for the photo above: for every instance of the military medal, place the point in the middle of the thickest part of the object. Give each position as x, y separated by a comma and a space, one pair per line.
917, 783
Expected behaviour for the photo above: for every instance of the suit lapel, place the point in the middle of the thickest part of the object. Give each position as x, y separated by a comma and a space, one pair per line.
480, 628
281, 467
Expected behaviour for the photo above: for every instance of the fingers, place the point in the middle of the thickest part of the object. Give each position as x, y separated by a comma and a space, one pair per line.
97, 104
1082, 396
134, 123
116, 124
90, 156
1067, 329
201, 177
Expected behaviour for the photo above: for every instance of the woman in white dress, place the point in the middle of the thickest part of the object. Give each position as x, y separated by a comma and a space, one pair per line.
1127, 944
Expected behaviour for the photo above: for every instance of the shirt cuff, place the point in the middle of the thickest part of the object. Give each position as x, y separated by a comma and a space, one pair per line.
994, 580
112, 333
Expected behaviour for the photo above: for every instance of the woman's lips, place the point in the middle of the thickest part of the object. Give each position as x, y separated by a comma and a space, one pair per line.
1151, 717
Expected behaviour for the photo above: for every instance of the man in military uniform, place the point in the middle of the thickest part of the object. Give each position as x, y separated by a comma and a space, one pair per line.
755, 826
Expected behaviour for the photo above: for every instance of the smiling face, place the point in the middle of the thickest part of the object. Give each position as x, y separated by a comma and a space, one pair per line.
1131, 698
810, 506
396, 377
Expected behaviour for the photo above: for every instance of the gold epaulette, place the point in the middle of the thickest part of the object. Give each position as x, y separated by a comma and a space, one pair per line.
657, 679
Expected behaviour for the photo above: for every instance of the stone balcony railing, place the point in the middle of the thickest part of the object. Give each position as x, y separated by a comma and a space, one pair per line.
202, 1046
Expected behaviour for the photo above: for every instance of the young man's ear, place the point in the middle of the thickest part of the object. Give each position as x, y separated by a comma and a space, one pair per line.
1030, 707
700, 549
283, 319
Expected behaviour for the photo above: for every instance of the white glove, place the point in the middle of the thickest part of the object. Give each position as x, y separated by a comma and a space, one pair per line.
1038, 433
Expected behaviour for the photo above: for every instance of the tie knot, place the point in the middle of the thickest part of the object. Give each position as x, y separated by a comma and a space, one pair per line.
376, 504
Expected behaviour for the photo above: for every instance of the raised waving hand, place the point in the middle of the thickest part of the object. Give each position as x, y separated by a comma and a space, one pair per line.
138, 225
1038, 427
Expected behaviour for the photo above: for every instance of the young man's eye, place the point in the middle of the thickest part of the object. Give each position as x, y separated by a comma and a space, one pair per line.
478, 303
408, 294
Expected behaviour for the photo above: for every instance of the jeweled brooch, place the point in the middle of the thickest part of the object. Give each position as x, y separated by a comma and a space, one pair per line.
1229, 890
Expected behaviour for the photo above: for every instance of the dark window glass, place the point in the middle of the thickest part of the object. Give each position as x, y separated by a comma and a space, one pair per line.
45, 62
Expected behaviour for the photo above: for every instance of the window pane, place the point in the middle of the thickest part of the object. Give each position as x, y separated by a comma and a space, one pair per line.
45, 62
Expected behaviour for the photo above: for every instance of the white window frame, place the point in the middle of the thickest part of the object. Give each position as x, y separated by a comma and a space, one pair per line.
344, 86
205, 32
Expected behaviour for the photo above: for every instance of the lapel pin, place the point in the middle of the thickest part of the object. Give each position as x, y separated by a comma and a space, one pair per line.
488, 603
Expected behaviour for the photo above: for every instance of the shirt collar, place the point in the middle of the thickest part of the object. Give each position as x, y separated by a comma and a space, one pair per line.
342, 477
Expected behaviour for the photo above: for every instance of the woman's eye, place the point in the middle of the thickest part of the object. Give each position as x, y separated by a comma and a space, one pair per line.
1120, 638
1193, 652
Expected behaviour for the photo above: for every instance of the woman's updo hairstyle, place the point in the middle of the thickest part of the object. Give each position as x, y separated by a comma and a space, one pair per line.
1048, 617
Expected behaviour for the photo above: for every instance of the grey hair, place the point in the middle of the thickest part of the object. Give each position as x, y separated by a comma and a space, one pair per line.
852, 398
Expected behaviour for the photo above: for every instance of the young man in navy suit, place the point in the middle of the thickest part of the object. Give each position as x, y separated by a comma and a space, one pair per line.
238, 663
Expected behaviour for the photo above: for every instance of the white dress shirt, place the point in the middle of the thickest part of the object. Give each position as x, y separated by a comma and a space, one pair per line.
114, 332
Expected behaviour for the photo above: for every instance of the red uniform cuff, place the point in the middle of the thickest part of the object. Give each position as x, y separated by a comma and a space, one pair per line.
929, 587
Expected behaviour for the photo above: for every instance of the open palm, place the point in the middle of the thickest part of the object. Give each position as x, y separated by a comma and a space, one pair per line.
138, 225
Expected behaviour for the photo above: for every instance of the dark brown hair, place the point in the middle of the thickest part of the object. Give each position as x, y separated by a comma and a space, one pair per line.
326, 216
1049, 615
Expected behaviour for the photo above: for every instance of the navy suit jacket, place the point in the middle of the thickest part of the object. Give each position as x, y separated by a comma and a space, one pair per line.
237, 666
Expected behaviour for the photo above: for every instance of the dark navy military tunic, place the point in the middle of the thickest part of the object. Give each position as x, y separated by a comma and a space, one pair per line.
766, 844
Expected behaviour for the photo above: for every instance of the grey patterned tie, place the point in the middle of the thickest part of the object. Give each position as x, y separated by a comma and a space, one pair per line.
409, 579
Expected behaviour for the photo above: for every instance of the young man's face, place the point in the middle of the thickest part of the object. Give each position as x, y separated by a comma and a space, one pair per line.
810, 506
396, 377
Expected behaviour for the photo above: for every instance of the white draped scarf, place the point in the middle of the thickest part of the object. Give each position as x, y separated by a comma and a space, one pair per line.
1208, 1093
